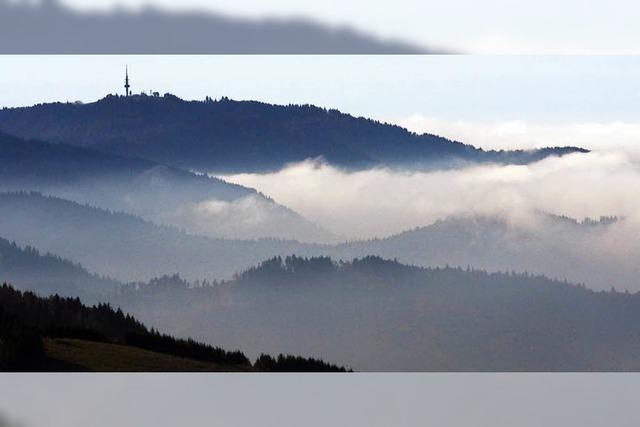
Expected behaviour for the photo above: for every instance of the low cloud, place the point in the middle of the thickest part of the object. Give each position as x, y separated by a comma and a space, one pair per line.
605, 136
248, 217
380, 202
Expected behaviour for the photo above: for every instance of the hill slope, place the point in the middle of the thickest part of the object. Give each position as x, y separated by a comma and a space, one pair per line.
83, 355
56, 333
232, 136
158, 193
126, 247
48, 274
378, 315
598, 253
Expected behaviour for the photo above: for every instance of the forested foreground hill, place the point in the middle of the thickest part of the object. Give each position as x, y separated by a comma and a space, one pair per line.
61, 334
243, 136
377, 315
369, 314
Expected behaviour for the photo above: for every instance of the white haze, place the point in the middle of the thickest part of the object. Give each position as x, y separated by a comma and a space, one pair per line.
511, 134
249, 217
381, 202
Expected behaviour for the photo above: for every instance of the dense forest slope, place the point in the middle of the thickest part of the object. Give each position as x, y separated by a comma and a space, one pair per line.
46, 274
378, 315
155, 192
596, 252
348, 313
55, 333
241, 136
126, 247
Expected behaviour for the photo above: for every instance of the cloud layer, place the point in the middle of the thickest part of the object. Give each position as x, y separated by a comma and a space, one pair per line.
604, 136
380, 202
249, 217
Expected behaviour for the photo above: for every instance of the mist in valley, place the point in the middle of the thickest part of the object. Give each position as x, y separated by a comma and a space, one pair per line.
511, 252
161, 194
383, 250
126, 247
543, 218
376, 203
377, 315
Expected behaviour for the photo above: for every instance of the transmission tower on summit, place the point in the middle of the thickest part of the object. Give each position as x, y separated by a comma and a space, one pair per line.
127, 86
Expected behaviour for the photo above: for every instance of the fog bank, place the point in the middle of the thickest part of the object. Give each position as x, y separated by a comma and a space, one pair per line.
513, 134
381, 202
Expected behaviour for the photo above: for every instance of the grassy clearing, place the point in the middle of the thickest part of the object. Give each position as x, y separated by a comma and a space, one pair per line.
94, 356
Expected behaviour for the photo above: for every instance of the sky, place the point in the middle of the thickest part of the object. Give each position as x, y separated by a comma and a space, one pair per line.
357, 400
490, 101
470, 26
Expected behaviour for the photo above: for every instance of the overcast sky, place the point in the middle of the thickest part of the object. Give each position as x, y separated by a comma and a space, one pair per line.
489, 26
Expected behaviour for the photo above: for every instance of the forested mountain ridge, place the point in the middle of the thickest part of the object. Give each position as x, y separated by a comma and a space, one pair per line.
126, 247
54, 333
36, 161
27, 269
379, 315
156, 192
243, 136
369, 313
556, 246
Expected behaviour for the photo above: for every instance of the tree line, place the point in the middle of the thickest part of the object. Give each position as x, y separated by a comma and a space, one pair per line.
26, 319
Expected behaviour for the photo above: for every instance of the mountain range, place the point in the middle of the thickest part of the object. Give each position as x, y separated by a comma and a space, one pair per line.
128, 248
378, 315
227, 136
158, 193
580, 251
123, 246
112, 202
27, 269
370, 313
